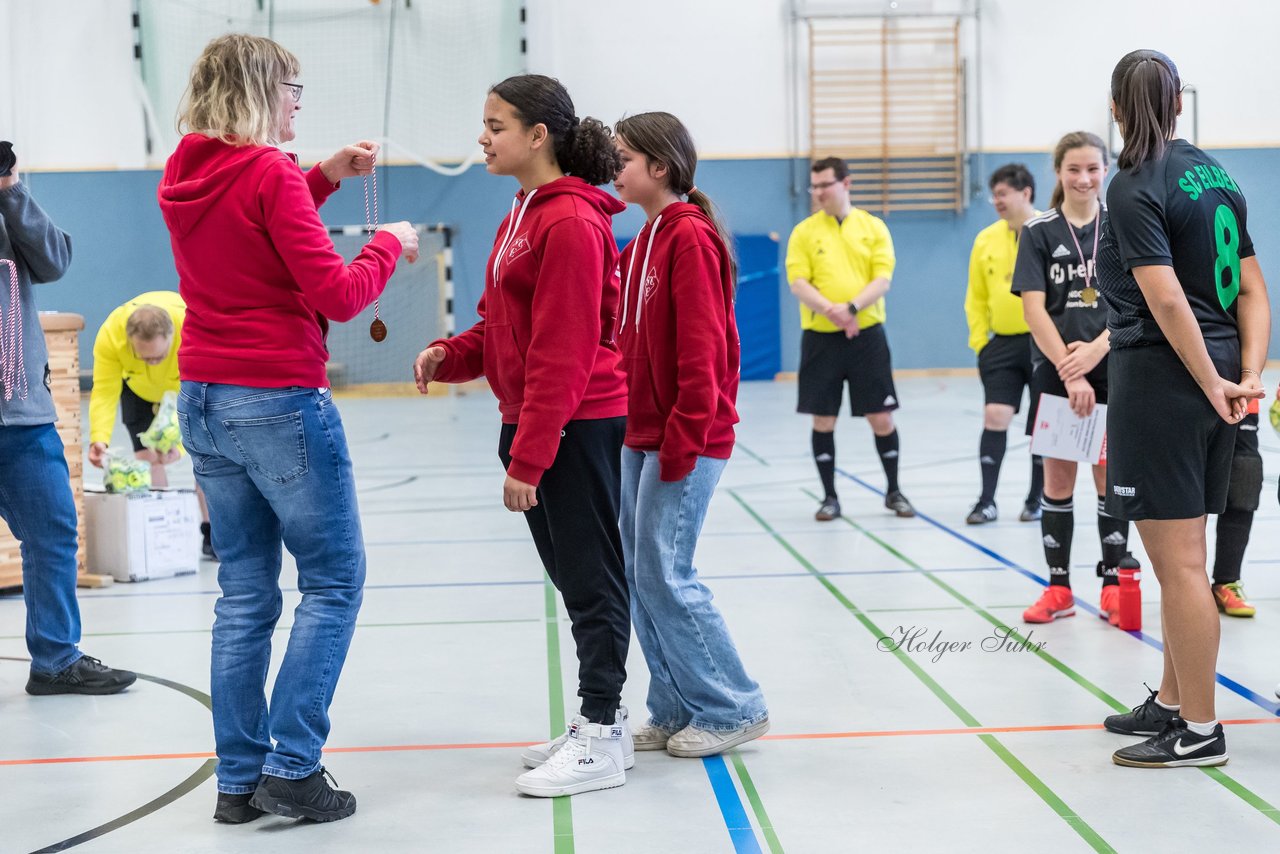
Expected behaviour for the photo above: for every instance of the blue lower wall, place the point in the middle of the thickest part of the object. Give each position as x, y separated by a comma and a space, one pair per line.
121, 246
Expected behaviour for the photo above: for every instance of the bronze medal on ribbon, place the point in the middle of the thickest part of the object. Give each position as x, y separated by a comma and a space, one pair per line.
1089, 296
377, 330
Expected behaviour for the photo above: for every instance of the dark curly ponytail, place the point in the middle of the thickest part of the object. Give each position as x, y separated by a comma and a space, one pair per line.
583, 147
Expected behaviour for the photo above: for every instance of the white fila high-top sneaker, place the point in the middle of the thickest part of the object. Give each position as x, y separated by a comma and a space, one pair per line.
535, 754
589, 759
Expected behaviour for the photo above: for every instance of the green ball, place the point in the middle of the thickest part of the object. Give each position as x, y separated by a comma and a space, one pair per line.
1275, 415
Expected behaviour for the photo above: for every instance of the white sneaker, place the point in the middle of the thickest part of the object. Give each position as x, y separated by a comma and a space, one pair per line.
535, 754
693, 742
589, 759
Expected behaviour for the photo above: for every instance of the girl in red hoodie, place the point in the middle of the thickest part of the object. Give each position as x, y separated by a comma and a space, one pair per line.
679, 345
260, 277
545, 343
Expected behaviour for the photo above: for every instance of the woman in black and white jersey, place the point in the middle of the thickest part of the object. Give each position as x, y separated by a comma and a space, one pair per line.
1055, 276
1190, 322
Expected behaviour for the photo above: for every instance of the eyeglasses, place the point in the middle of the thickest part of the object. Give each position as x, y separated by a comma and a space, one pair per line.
813, 188
295, 89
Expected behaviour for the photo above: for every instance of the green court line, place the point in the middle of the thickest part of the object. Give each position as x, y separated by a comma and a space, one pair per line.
561, 808
287, 628
1074, 821
1229, 783
750, 453
757, 805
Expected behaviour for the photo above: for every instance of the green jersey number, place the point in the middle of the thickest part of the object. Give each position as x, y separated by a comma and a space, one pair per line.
1226, 267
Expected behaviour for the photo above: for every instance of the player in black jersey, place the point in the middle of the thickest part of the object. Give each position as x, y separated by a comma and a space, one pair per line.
1190, 322
1055, 276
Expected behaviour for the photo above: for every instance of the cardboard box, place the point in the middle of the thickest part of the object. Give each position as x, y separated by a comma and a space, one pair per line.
144, 535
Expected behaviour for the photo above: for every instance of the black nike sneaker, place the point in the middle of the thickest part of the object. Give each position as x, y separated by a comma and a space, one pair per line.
1175, 747
1146, 718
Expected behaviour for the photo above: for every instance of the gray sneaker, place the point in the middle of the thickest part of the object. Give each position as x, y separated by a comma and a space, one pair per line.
693, 743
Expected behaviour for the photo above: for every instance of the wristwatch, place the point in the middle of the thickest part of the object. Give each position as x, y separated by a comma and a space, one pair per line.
853, 307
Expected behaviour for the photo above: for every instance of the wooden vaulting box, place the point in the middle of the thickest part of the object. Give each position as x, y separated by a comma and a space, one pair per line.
61, 334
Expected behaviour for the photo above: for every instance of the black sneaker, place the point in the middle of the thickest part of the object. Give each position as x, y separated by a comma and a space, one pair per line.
87, 675
1146, 718
206, 547
898, 503
1175, 747
1030, 511
311, 797
982, 513
235, 809
829, 510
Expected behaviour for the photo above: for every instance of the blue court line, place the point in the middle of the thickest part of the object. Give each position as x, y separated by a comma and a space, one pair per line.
741, 832
1230, 684
430, 584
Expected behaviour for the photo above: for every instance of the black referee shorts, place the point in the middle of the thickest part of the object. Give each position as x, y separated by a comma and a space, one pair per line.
1045, 380
829, 361
1168, 452
1004, 366
136, 413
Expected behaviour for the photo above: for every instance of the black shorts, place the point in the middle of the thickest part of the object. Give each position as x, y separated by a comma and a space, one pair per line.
1005, 368
1045, 380
829, 360
136, 413
1168, 451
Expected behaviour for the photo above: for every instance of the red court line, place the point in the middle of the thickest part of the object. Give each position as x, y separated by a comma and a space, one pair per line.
490, 745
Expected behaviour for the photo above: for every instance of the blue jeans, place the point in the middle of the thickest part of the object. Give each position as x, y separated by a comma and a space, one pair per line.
274, 467
695, 674
37, 505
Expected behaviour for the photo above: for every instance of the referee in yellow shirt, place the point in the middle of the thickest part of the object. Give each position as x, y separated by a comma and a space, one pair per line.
135, 361
839, 263
998, 333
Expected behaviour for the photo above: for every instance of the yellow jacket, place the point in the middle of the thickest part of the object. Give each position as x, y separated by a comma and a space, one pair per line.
840, 259
988, 305
114, 363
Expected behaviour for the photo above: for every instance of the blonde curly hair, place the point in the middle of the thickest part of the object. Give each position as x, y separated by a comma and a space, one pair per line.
234, 91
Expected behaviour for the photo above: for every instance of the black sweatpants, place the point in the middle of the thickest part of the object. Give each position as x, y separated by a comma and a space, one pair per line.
575, 527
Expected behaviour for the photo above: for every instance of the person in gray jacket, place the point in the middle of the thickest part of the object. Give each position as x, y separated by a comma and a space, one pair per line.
35, 485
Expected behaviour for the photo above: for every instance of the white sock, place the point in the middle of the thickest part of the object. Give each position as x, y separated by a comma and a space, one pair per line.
1167, 707
1202, 729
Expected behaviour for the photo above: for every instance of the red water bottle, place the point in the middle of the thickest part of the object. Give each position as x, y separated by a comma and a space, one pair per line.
1130, 594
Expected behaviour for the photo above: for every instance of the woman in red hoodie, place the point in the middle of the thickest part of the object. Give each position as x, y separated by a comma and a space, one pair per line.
545, 343
679, 346
260, 277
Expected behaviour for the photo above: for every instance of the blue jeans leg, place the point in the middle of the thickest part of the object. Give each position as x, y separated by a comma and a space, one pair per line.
37, 505
275, 469
692, 640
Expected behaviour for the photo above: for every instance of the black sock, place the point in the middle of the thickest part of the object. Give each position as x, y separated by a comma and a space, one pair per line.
887, 448
1233, 538
1037, 479
1114, 534
1057, 523
824, 455
990, 456
204, 531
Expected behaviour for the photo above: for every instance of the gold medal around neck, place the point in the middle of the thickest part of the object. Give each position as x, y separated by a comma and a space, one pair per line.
1089, 296
377, 330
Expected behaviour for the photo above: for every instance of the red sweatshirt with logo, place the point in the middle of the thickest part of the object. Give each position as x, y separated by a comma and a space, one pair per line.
679, 341
544, 339
256, 266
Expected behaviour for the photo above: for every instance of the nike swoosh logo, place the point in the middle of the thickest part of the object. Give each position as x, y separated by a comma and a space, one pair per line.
1183, 751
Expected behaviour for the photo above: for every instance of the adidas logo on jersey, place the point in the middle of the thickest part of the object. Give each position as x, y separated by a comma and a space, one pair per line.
1061, 251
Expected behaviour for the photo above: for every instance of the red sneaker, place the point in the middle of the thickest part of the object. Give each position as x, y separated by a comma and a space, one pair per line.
1109, 604
1055, 602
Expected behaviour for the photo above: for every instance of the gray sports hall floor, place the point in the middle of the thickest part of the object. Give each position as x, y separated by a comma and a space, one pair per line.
463, 654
